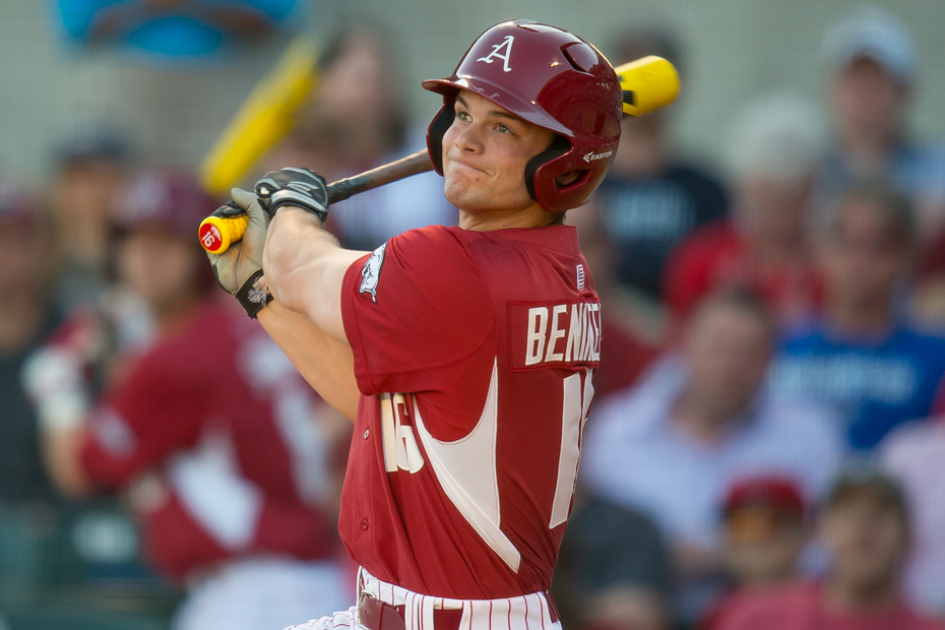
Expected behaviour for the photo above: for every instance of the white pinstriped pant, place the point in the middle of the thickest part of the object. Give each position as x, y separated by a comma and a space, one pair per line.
527, 612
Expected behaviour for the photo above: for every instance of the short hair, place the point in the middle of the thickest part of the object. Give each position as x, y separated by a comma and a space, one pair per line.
881, 194
739, 297
863, 477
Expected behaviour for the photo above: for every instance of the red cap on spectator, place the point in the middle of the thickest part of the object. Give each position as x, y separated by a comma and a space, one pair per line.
779, 493
167, 199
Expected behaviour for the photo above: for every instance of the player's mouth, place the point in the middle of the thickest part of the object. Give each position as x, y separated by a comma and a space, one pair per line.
454, 163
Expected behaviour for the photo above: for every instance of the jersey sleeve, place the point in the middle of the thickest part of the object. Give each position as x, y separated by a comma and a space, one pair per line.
156, 410
413, 308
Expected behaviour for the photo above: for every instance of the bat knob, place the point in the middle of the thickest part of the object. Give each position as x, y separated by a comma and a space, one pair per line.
218, 233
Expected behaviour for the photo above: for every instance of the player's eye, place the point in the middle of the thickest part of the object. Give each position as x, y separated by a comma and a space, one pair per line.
504, 129
463, 116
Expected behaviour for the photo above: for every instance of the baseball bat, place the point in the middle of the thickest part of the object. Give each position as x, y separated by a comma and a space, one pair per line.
218, 233
647, 84
263, 118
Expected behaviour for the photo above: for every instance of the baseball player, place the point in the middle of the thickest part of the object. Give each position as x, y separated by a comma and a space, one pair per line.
463, 355
208, 426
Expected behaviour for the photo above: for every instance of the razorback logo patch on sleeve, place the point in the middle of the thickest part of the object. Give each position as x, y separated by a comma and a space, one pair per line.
371, 272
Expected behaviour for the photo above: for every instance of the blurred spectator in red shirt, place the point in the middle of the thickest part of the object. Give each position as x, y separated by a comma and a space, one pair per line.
773, 152
357, 121
865, 526
652, 197
764, 523
221, 445
874, 74
91, 169
25, 320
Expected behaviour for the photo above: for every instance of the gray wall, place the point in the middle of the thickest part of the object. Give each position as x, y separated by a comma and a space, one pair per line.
735, 49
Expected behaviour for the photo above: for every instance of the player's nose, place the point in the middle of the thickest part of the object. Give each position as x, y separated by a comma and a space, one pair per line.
469, 139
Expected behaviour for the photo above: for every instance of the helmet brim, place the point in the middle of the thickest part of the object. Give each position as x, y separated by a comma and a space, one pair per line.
517, 106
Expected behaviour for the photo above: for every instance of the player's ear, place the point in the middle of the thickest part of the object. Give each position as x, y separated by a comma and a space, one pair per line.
566, 179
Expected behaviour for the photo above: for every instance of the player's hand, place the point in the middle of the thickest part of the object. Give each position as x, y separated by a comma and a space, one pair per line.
298, 187
239, 268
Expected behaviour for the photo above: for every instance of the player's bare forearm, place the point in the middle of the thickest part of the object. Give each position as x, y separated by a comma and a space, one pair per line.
305, 268
326, 363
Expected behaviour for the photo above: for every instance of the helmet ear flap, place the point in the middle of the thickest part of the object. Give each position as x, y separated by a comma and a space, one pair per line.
559, 146
441, 122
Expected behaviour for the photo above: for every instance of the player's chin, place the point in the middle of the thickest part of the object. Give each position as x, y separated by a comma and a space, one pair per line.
462, 192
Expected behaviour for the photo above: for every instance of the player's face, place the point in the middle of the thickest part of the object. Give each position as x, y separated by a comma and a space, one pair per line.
485, 151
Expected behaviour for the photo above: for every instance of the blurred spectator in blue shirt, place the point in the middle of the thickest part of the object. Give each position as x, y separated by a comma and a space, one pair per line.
874, 71
875, 369
652, 198
674, 445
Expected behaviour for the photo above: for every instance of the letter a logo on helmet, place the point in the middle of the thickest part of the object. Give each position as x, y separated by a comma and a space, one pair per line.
497, 50
561, 83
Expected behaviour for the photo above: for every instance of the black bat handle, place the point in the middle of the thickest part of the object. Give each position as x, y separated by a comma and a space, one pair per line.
414, 164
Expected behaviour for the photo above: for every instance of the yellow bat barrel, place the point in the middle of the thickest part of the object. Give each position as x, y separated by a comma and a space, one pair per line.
648, 84
263, 119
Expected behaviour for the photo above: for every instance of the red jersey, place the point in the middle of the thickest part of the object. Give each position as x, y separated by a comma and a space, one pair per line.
227, 425
474, 353
801, 607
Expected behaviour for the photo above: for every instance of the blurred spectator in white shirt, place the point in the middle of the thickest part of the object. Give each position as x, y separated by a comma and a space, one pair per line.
914, 454
674, 445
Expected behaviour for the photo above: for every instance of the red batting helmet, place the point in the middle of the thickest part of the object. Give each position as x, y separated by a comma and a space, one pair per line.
549, 78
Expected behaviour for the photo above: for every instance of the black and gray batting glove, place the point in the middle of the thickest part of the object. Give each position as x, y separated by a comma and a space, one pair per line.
298, 187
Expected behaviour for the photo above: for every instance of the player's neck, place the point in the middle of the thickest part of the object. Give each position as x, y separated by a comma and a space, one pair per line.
531, 217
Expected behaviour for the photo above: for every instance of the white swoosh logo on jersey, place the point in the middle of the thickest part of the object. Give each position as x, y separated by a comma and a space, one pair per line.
460, 468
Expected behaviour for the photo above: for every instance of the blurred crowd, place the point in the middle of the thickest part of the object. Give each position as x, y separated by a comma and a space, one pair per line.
764, 450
